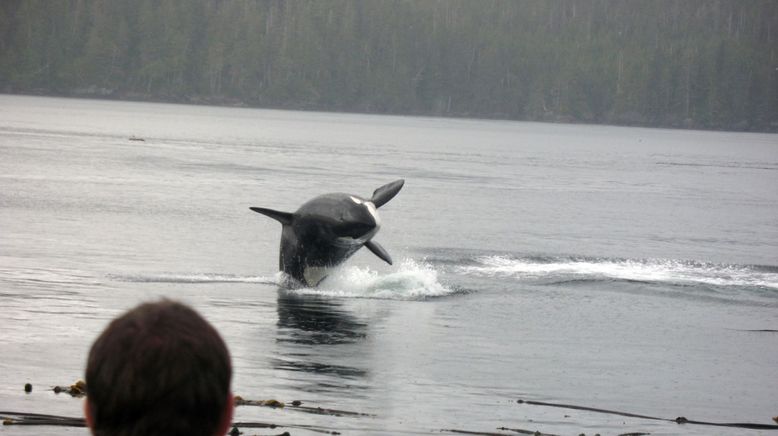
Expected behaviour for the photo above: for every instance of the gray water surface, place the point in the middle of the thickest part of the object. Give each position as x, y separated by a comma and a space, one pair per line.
619, 268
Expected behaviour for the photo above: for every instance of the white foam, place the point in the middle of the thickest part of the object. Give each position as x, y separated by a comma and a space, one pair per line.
410, 280
654, 270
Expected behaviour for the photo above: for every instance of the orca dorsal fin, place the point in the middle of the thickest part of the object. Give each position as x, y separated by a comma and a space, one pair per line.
385, 193
379, 251
284, 218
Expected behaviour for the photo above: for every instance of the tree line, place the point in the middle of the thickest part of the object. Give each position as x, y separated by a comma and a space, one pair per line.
672, 63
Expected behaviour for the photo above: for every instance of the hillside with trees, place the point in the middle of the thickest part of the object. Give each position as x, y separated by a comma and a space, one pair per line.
674, 63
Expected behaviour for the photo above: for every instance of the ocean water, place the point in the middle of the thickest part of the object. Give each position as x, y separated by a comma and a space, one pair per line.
617, 268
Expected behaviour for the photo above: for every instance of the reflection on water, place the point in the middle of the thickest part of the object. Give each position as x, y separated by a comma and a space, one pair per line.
321, 345
311, 320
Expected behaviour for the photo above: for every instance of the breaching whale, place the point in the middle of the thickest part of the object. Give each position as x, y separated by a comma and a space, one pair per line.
327, 230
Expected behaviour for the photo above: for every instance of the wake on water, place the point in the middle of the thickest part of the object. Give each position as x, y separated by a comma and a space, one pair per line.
665, 271
193, 278
421, 280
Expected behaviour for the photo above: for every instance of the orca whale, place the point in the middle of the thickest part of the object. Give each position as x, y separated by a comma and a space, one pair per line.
327, 230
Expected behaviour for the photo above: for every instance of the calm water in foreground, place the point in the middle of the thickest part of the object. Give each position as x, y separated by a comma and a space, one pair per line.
619, 268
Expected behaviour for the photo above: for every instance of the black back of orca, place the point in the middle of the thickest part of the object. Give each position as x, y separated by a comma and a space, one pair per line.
327, 230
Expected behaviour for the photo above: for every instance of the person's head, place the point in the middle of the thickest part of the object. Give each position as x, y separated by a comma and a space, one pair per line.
159, 369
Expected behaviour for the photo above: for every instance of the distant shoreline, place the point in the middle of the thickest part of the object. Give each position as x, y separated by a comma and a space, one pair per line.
223, 101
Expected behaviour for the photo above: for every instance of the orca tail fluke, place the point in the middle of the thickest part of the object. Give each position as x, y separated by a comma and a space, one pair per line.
284, 218
385, 193
379, 251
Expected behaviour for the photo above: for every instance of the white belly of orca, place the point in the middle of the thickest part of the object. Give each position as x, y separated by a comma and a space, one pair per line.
315, 274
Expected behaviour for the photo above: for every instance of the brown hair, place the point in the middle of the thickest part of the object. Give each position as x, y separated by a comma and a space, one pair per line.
159, 369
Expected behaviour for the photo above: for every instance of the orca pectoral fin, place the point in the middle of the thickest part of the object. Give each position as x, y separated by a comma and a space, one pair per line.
385, 193
379, 251
284, 218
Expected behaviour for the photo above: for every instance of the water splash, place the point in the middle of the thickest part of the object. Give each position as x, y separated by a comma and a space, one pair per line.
411, 280
650, 270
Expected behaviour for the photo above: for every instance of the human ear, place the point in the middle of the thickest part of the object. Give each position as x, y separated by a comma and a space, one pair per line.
88, 415
227, 414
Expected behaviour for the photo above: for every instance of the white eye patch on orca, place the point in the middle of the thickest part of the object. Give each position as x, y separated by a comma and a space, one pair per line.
370, 208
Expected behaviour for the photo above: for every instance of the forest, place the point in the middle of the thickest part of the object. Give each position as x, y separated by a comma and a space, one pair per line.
707, 64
